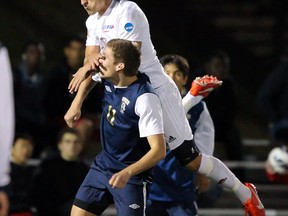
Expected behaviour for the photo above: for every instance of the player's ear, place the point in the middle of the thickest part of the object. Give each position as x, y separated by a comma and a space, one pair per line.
120, 66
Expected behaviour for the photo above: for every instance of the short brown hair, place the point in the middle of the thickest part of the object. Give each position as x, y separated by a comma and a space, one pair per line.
126, 52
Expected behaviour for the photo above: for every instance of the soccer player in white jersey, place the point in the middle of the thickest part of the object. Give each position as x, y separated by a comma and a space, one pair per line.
124, 19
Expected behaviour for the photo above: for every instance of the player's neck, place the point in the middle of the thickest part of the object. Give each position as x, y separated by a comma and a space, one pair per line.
106, 4
125, 81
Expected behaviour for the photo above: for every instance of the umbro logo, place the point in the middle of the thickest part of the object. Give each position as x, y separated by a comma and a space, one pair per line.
108, 88
134, 206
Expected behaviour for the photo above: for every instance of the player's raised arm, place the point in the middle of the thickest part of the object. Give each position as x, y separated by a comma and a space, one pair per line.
90, 64
74, 112
150, 159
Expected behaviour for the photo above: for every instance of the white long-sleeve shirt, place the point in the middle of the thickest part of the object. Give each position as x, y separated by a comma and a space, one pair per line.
7, 115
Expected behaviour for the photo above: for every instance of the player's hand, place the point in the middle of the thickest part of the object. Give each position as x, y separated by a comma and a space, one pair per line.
204, 85
93, 60
72, 116
120, 179
78, 78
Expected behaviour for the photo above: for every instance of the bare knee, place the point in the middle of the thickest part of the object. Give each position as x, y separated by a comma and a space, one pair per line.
195, 164
76, 211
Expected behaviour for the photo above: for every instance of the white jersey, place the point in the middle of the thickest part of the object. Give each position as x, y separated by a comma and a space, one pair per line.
124, 19
7, 119
148, 108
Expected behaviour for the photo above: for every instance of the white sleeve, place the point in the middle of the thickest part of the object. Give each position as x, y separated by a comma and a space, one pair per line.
7, 118
96, 77
92, 39
205, 134
189, 101
131, 23
148, 108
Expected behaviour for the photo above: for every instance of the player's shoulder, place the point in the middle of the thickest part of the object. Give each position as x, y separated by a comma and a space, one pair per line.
126, 3
91, 20
130, 6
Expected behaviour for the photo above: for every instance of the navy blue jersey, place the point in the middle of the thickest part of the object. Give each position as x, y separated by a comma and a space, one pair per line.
172, 182
120, 138
193, 115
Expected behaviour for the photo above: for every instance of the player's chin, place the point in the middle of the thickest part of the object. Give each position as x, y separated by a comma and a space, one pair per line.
90, 12
102, 75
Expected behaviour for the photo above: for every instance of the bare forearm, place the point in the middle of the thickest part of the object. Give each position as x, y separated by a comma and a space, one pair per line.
146, 162
85, 87
150, 159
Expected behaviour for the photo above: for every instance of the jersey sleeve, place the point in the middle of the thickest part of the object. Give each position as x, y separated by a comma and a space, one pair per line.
204, 134
148, 108
132, 24
91, 39
8, 119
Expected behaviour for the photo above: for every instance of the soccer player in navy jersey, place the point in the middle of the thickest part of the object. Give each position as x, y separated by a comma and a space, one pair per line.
174, 188
131, 135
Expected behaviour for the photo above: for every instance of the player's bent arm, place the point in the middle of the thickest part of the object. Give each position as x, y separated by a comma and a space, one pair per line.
90, 51
74, 112
90, 64
150, 159
84, 90
148, 108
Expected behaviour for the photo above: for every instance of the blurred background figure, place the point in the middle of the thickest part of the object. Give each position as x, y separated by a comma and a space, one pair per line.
59, 176
222, 104
58, 98
21, 174
28, 94
273, 102
6, 126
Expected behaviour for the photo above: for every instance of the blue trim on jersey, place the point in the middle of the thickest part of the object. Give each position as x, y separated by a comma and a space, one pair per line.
120, 139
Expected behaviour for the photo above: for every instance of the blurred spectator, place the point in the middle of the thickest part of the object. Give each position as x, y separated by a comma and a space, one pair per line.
57, 96
28, 94
6, 126
19, 190
273, 102
222, 104
59, 177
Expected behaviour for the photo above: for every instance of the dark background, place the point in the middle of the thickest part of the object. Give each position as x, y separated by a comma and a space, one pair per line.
253, 33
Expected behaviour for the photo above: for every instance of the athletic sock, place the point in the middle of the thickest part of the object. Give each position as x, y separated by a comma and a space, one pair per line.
219, 172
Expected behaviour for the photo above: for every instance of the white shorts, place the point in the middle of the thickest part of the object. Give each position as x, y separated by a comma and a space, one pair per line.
176, 126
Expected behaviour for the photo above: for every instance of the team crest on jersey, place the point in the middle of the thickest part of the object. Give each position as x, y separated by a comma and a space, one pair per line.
108, 88
129, 27
124, 103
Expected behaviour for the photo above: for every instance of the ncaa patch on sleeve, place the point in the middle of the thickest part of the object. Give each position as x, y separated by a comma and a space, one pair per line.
128, 27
